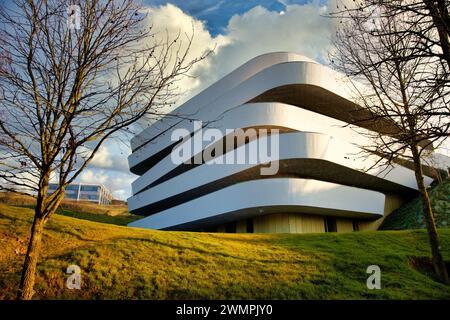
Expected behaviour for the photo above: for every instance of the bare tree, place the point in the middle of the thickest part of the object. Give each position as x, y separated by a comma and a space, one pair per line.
401, 85
79, 73
431, 26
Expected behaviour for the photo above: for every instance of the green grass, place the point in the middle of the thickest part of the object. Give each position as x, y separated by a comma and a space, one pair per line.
112, 214
125, 263
121, 220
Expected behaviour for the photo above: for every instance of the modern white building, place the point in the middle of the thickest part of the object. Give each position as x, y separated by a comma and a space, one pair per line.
321, 183
96, 193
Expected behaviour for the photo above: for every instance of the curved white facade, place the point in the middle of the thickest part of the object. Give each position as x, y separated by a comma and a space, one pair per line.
319, 171
255, 197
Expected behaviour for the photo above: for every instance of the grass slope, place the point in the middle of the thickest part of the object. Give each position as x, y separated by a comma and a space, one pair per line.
120, 219
112, 214
125, 263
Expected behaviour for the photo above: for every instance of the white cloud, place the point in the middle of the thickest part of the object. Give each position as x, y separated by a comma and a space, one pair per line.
212, 8
118, 182
301, 28
102, 158
111, 155
89, 176
171, 20
110, 168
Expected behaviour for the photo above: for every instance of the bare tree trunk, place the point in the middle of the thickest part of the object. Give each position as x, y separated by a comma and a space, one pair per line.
40, 217
44, 208
29, 267
433, 236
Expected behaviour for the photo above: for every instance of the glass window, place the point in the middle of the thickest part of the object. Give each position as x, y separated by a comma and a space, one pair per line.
355, 225
89, 196
330, 224
89, 188
249, 223
230, 227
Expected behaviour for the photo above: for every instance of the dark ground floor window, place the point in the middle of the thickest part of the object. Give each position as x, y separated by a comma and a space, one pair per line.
230, 227
249, 225
355, 225
330, 224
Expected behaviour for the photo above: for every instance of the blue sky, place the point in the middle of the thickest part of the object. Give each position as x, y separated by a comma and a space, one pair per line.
217, 13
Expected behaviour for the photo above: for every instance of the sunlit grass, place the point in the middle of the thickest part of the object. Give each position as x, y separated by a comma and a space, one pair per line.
127, 263
119, 219
112, 214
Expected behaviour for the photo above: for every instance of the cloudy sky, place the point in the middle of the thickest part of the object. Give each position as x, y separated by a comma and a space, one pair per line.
237, 30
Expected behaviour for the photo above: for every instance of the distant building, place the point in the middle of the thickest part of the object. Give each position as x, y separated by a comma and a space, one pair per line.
97, 193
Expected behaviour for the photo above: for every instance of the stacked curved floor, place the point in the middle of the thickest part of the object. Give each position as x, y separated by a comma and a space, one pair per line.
322, 183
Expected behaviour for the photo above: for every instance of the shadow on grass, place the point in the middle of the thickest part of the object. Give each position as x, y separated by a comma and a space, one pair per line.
425, 266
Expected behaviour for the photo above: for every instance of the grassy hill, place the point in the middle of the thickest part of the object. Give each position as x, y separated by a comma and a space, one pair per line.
112, 214
125, 263
410, 215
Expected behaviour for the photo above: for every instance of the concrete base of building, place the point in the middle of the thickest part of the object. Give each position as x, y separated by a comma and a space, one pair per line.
289, 223
307, 223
